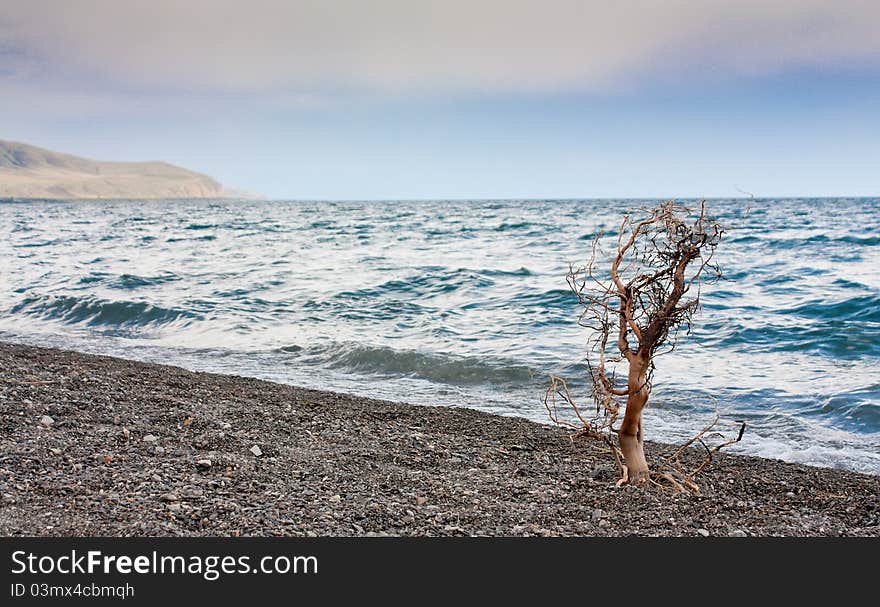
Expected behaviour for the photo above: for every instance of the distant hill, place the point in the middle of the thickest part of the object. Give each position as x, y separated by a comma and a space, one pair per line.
27, 171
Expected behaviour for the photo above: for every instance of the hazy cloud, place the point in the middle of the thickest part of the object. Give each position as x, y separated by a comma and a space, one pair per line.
411, 46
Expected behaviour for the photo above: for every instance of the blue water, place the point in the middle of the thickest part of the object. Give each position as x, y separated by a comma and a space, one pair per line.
462, 303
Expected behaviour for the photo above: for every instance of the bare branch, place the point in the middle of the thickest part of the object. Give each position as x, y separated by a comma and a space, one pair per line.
635, 316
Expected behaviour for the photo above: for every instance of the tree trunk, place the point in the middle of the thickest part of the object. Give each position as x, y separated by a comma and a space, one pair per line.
630, 433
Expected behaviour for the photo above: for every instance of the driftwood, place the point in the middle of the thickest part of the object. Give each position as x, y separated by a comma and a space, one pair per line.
635, 312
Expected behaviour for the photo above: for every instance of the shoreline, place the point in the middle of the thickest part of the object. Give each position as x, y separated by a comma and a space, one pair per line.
94, 445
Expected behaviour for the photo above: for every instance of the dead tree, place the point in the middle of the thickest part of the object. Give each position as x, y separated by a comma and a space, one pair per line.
635, 311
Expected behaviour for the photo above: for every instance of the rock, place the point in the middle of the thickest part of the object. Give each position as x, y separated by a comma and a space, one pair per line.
175, 507
256, 450
738, 533
204, 463
150, 438
421, 501
597, 514
169, 497
47, 421
335, 499
703, 532
226, 426
159, 450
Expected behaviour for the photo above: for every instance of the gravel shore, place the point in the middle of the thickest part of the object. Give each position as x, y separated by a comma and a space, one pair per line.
93, 445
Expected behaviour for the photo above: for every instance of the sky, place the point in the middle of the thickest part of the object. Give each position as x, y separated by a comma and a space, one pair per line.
405, 99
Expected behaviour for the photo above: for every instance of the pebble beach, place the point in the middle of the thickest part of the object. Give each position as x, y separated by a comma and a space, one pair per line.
100, 446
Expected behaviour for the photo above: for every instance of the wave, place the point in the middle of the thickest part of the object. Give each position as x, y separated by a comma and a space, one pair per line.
857, 410
128, 281
833, 339
861, 240
777, 243
436, 367
865, 308
93, 311
553, 298
516, 225
433, 283
174, 239
523, 271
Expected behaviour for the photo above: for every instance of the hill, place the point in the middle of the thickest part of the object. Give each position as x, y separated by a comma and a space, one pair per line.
27, 171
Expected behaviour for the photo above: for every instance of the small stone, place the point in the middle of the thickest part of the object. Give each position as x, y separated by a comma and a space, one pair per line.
738, 533
204, 463
47, 420
703, 532
256, 450
226, 426
169, 497
604, 523
174, 507
55, 451
150, 438
421, 501
597, 514
335, 499
159, 450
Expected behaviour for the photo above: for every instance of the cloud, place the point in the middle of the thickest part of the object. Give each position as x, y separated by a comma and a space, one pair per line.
405, 46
